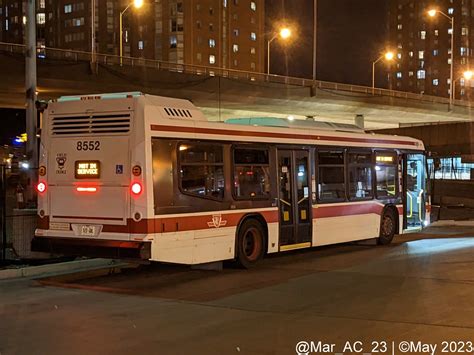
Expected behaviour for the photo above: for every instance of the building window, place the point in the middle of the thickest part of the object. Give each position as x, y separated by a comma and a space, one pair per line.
212, 59
410, 54
252, 66
253, 5
198, 24
42, 4
399, 55
435, 82
199, 57
173, 42
140, 45
463, 51
236, 62
41, 18
252, 50
201, 168
236, 32
399, 75
211, 27
436, 33
235, 48
450, 30
464, 31
212, 42
251, 173
423, 34
331, 182
421, 54
211, 11
410, 73
451, 11
253, 36
399, 26
421, 74
67, 9
435, 52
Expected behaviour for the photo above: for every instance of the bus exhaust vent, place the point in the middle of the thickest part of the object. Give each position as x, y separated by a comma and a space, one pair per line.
177, 112
93, 124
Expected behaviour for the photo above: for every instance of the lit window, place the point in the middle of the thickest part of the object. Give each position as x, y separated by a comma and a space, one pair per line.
451, 11
462, 81
236, 31
450, 30
399, 75
252, 50
212, 42
173, 42
463, 51
464, 31
235, 62
410, 73
212, 59
253, 36
436, 32
435, 52
252, 66
235, 48
422, 34
410, 54
199, 57
435, 82
421, 54
140, 45
399, 55
67, 9
399, 26
41, 18
253, 5
420, 74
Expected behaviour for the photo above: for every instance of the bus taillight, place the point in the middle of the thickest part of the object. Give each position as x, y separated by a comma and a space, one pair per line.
41, 187
136, 188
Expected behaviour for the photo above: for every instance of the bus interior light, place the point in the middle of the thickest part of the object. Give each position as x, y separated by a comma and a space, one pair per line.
136, 188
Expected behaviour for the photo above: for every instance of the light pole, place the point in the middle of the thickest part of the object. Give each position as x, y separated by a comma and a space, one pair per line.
432, 13
467, 75
315, 38
137, 4
388, 56
284, 34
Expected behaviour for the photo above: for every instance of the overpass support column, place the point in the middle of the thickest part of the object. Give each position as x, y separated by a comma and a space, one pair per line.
30, 85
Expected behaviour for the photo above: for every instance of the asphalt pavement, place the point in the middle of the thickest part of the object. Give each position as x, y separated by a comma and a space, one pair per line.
418, 290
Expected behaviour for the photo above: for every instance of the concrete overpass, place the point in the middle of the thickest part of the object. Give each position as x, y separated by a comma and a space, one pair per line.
221, 93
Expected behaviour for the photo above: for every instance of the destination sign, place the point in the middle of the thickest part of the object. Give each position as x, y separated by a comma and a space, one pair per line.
87, 169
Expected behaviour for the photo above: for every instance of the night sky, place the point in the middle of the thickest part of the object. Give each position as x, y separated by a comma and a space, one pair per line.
13, 124
351, 34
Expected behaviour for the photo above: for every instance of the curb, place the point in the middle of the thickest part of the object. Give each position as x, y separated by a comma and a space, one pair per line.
60, 268
452, 223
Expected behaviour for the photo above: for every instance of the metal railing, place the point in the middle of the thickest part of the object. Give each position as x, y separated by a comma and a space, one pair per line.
109, 59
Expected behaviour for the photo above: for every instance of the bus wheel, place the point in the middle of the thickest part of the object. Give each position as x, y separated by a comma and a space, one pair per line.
387, 227
250, 243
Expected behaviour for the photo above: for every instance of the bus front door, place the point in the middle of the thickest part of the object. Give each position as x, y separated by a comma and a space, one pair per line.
294, 199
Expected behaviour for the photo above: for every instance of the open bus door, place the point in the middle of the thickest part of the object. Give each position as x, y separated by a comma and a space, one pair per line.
414, 186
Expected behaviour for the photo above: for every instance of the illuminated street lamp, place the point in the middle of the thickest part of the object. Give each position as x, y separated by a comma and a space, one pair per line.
388, 56
137, 4
467, 75
284, 34
433, 13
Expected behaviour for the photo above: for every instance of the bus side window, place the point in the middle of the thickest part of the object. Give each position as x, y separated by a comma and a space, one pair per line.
251, 173
386, 174
201, 168
331, 179
360, 175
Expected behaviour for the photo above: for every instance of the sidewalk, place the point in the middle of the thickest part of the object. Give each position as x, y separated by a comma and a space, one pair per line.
60, 268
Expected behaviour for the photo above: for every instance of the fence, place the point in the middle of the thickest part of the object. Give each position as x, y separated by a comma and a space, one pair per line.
17, 213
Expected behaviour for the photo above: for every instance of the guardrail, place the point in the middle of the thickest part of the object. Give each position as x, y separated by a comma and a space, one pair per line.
109, 59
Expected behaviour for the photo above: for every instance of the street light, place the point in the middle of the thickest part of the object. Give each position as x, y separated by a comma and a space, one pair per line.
467, 75
388, 56
284, 33
137, 4
433, 13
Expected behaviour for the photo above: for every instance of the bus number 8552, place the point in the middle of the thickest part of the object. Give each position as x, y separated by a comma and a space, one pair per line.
88, 145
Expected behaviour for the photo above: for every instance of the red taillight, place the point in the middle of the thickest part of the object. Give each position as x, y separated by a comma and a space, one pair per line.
41, 187
86, 189
136, 188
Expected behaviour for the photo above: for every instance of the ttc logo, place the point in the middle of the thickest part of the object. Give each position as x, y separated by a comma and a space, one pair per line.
217, 221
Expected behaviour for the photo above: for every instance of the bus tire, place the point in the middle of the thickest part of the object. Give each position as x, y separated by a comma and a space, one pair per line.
388, 227
250, 243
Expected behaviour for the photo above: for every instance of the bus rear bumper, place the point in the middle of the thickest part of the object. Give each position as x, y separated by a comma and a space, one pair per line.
115, 249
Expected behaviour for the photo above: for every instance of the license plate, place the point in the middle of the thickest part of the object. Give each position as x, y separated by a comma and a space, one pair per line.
89, 231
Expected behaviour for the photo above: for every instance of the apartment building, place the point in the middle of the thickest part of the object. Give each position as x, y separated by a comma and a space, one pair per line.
423, 46
220, 33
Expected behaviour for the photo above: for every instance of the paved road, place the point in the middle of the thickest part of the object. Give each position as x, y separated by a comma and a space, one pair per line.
420, 288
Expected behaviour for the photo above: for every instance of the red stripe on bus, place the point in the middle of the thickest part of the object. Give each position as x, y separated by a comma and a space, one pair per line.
215, 131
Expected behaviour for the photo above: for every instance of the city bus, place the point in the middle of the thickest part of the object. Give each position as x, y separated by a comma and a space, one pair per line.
149, 178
